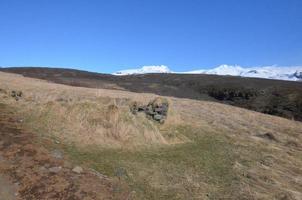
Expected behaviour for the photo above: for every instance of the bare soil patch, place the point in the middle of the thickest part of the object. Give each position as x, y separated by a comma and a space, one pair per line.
34, 173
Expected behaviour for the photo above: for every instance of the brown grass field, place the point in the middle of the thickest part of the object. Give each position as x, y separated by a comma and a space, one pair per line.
274, 97
205, 150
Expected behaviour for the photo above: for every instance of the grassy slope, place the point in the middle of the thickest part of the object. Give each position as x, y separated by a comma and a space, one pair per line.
194, 170
281, 98
217, 153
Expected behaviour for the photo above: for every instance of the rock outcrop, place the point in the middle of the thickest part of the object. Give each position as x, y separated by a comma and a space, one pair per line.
156, 109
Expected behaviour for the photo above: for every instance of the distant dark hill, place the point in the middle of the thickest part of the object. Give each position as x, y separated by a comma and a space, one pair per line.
281, 98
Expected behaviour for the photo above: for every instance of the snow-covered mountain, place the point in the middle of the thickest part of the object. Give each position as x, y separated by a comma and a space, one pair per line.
145, 70
269, 72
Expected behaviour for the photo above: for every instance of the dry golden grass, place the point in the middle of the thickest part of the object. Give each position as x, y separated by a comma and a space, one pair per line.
267, 168
83, 116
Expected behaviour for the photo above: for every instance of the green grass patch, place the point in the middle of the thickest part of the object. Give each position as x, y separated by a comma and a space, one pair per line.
181, 171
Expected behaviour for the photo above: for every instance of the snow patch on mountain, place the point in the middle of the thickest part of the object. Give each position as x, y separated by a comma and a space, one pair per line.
268, 72
145, 70
221, 70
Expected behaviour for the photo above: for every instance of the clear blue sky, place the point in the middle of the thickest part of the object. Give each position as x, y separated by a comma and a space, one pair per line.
109, 35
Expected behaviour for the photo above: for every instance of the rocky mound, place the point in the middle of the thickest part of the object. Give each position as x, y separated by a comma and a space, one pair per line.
156, 109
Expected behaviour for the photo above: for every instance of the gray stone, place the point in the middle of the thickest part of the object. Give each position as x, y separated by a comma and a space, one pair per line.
57, 154
55, 169
16, 93
157, 117
13, 93
43, 169
77, 169
19, 93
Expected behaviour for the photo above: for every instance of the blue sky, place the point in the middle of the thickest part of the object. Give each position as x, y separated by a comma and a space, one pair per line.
111, 35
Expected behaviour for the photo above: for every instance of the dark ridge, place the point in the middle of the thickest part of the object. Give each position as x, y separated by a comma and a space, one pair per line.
274, 97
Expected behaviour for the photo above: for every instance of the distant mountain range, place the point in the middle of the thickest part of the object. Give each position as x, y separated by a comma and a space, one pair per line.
145, 70
268, 72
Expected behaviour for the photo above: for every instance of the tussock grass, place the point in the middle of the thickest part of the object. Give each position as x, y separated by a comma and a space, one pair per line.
93, 123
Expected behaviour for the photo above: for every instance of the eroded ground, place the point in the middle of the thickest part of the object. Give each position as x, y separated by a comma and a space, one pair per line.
30, 171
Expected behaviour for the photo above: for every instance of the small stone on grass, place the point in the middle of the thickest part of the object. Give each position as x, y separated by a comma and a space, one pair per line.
77, 169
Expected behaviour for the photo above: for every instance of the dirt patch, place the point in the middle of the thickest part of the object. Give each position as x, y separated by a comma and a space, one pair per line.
39, 175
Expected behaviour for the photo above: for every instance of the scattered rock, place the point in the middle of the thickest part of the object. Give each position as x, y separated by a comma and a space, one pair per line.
40, 176
57, 154
77, 169
16, 94
156, 109
42, 169
55, 169
157, 117
98, 174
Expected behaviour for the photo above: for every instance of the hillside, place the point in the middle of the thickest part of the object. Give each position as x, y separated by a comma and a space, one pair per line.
281, 98
204, 149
